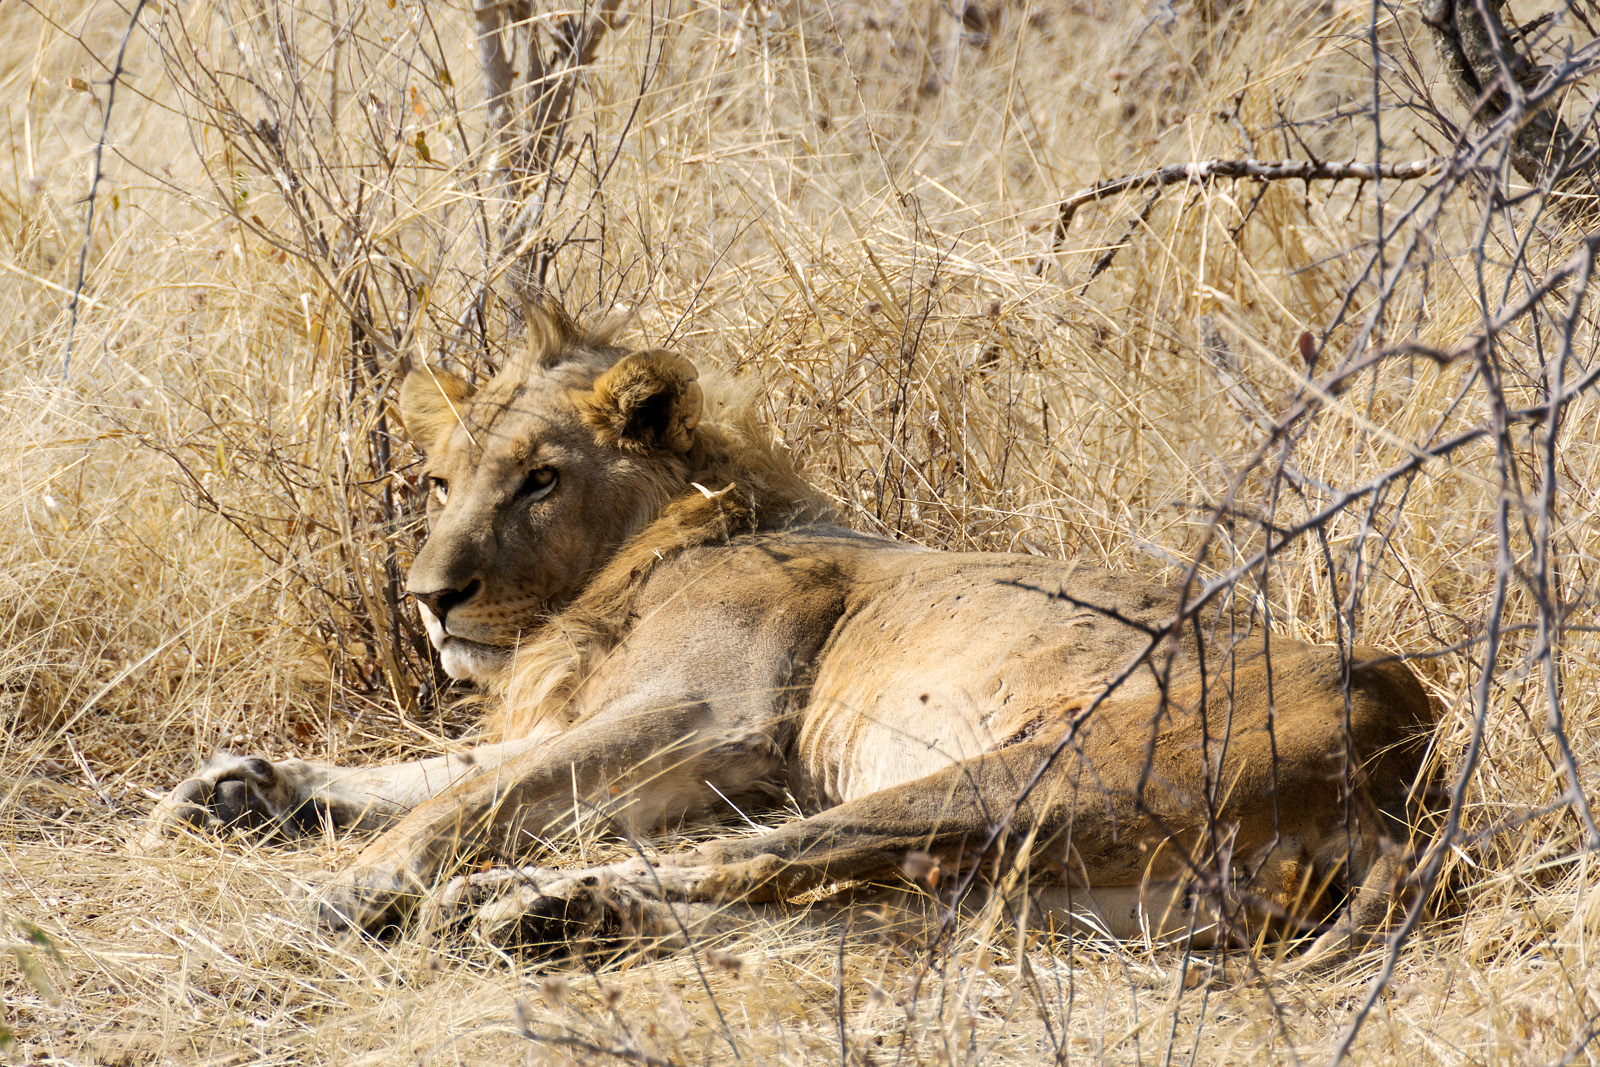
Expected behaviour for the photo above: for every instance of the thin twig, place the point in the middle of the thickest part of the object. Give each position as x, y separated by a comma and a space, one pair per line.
94, 186
497, 75
1474, 347
1104, 262
1211, 169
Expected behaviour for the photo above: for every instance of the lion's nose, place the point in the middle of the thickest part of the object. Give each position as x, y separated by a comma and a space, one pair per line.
440, 601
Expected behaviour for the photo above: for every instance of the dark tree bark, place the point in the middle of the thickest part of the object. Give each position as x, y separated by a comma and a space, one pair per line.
1500, 84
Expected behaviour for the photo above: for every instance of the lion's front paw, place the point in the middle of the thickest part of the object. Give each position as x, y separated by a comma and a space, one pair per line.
237, 792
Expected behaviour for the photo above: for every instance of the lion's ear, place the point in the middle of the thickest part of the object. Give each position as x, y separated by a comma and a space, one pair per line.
648, 402
432, 402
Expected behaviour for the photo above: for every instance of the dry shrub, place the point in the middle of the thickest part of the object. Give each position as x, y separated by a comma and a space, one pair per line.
206, 511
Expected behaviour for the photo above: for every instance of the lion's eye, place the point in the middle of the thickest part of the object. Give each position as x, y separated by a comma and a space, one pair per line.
537, 484
439, 489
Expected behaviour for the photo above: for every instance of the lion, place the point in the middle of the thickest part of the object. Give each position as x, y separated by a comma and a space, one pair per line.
675, 626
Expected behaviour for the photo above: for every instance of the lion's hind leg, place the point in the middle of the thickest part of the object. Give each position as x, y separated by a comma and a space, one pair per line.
1276, 892
1154, 913
1375, 872
628, 906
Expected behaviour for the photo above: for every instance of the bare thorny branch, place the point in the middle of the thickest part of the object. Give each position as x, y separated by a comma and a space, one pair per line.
1212, 169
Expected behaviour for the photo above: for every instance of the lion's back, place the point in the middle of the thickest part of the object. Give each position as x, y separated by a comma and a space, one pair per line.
889, 658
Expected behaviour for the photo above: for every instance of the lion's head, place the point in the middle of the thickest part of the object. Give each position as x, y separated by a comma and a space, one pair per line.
538, 477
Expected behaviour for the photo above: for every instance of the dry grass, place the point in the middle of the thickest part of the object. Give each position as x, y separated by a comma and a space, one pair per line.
194, 548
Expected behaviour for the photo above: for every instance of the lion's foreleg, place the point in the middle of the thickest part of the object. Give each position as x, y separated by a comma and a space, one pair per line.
628, 776
287, 798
